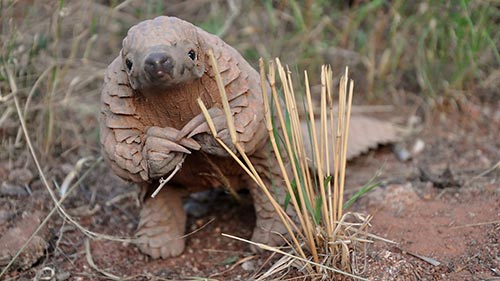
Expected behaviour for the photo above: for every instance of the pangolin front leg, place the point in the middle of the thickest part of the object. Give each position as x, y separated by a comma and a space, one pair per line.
162, 223
163, 152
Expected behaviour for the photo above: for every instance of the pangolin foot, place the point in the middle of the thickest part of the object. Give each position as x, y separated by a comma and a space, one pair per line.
268, 231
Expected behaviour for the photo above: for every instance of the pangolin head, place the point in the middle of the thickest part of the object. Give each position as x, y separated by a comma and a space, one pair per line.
162, 53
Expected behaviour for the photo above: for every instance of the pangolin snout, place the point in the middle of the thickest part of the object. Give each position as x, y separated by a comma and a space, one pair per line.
159, 64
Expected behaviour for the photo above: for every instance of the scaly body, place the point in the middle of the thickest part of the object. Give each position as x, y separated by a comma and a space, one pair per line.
150, 122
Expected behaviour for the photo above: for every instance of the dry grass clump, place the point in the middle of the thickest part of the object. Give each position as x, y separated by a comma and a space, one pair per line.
323, 238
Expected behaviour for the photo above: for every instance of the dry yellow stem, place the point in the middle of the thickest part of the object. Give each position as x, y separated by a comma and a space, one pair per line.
345, 138
318, 157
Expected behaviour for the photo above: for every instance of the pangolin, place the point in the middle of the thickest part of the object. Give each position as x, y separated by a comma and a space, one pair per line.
150, 123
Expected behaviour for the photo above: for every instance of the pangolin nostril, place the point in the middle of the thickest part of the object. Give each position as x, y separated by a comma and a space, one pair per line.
156, 63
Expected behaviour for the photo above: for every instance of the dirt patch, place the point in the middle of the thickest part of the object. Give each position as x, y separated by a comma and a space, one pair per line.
440, 228
458, 230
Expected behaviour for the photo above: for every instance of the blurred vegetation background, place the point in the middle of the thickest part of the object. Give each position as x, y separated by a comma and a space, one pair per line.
57, 52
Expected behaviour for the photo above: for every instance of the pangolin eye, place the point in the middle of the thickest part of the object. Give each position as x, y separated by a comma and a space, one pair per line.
129, 64
192, 54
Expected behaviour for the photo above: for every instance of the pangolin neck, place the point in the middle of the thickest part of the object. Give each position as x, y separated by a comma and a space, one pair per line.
174, 107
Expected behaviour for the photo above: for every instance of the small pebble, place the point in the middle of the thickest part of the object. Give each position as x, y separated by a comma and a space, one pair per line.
199, 222
10, 189
4, 216
402, 153
248, 266
63, 276
418, 147
21, 176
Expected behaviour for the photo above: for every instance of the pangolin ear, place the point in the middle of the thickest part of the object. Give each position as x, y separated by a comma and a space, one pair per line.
199, 68
124, 43
122, 57
131, 81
